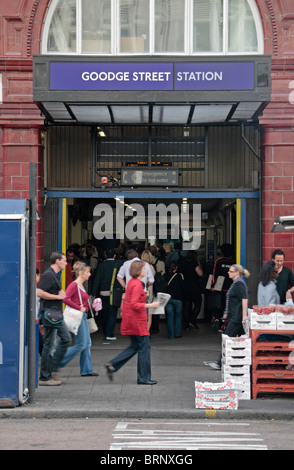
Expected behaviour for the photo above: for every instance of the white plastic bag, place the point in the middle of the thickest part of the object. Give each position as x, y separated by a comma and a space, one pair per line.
72, 319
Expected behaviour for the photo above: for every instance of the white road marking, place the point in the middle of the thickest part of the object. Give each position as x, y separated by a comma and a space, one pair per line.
164, 436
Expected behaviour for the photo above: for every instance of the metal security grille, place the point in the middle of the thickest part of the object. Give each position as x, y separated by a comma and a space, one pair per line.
174, 147
212, 157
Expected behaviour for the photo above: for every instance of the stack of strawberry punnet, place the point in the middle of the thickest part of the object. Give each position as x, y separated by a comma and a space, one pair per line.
236, 363
216, 396
262, 318
271, 317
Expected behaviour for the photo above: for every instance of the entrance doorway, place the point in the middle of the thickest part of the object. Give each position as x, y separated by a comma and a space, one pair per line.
86, 221
224, 219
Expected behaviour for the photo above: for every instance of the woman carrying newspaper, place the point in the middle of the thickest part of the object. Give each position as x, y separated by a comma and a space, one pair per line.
134, 323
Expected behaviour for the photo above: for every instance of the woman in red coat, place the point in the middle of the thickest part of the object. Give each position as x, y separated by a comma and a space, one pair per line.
134, 323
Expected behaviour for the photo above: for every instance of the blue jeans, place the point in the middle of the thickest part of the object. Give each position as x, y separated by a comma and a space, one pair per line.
82, 346
173, 311
52, 357
140, 345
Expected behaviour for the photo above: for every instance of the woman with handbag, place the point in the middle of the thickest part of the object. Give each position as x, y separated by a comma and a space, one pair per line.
77, 298
135, 324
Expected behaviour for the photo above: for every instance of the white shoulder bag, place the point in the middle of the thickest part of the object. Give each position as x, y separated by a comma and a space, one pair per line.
91, 320
73, 317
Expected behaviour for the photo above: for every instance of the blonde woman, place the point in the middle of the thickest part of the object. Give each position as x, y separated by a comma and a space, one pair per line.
74, 292
236, 305
236, 301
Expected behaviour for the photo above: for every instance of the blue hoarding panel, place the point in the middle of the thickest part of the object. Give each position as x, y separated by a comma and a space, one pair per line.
10, 273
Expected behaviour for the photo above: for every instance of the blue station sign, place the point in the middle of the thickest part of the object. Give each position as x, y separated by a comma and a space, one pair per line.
153, 76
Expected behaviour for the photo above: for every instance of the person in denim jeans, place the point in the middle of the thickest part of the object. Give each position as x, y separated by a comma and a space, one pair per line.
174, 307
134, 323
51, 295
77, 298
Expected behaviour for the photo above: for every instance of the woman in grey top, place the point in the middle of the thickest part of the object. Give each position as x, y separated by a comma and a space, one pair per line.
267, 291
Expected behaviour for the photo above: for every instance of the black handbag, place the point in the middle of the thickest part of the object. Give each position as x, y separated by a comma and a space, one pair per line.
115, 292
116, 297
52, 317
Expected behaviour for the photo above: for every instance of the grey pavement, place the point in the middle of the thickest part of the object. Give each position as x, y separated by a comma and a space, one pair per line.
176, 364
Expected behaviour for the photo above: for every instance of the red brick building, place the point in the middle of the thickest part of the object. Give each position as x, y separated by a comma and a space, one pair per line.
22, 124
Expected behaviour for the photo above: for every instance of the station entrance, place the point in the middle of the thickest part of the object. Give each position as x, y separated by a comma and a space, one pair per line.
172, 169
224, 219
213, 166
140, 221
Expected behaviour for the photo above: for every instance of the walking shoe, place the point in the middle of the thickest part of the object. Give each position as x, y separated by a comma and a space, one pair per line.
149, 382
92, 374
109, 371
214, 365
222, 327
50, 383
215, 323
110, 338
57, 377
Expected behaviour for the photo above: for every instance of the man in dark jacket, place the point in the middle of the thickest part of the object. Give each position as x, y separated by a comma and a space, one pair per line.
220, 272
101, 288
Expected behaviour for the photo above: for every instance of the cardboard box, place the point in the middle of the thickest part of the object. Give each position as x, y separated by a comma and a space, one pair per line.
236, 352
218, 405
243, 342
245, 394
262, 322
243, 359
212, 386
285, 322
236, 373
216, 396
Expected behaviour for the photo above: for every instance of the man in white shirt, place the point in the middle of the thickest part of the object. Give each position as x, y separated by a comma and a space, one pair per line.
123, 275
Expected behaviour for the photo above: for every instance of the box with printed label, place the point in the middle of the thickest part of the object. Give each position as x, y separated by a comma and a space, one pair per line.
237, 359
216, 396
245, 394
284, 321
231, 404
243, 342
212, 386
259, 321
244, 389
236, 352
236, 373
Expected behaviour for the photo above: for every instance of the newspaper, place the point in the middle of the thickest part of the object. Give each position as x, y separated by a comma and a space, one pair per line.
163, 299
209, 281
219, 283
